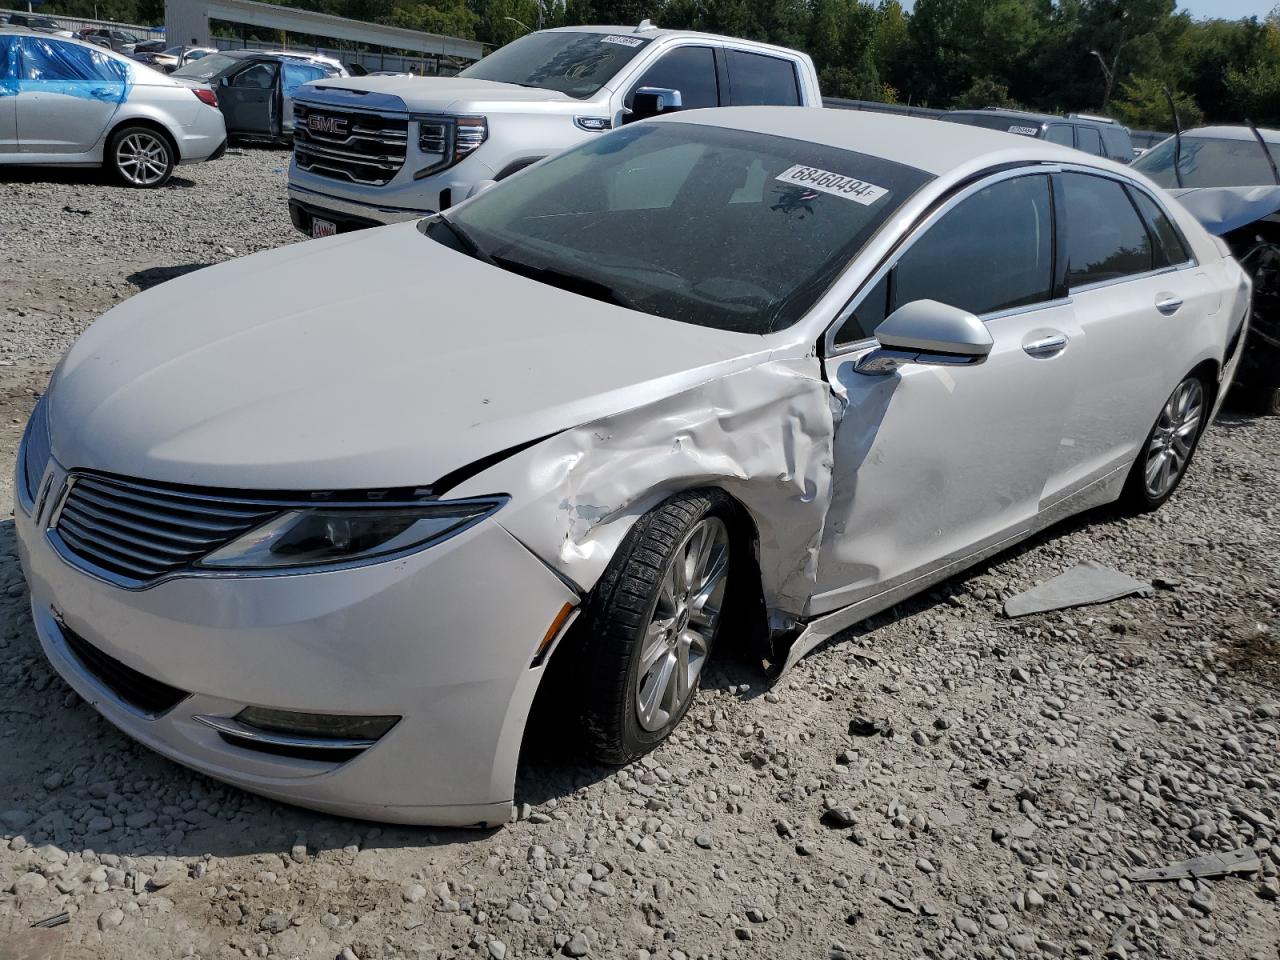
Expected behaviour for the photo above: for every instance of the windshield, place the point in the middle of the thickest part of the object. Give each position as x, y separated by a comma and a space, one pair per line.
578, 64
700, 224
206, 67
1208, 162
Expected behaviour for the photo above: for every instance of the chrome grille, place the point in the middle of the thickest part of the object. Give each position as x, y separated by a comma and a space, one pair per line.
349, 145
138, 532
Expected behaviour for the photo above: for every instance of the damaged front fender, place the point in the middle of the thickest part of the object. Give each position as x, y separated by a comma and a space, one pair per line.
764, 435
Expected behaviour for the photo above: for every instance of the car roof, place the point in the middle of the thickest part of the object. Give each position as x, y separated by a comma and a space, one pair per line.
1012, 114
920, 142
1233, 132
657, 33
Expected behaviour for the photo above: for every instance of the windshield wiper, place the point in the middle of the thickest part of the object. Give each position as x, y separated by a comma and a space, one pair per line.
468, 242
564, 280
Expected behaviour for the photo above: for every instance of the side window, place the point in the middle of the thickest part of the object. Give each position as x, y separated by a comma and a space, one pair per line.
759, 80
1060, 133
992, 252
1119, 146
871, 312
1089, 140
1170, 250
1106, 240
691, 70
258, 77
296, 74
8, 61
54, 60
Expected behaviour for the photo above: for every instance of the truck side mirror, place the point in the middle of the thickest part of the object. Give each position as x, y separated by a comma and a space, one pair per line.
651, 101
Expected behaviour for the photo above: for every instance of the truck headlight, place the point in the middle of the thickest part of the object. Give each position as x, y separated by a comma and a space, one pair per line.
309, 537
448, 140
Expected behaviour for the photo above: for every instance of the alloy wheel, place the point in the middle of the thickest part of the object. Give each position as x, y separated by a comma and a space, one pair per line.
142, 158
682, 626
1174, 438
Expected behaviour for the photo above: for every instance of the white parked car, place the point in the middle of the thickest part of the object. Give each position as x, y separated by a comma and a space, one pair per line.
71, 103
327, 534
371, 150
169, 60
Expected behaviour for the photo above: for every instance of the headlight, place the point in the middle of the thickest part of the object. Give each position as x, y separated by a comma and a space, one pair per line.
35, 454
448, 140
326, 535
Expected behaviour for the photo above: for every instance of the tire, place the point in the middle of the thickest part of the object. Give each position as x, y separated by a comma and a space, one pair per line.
140, 157
648, 636
1170, 446
1265, 400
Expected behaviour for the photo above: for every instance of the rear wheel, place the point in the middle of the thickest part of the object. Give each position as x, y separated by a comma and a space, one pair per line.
1170, 446
653, 622
140, 157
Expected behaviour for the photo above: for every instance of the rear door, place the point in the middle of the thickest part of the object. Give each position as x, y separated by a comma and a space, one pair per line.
67, 95
933, 463
248, 99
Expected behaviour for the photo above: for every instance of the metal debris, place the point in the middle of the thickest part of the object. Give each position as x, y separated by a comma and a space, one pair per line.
1085, 583
1243, 860
57, 920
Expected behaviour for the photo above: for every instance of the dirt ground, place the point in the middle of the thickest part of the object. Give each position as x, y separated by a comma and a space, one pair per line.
1029, 767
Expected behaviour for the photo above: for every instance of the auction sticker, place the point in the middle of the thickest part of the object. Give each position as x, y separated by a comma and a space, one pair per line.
1025, 131
623, 41
836, 184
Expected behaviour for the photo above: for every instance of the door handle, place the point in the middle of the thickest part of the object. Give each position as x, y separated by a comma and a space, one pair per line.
1046, 347
1168, 304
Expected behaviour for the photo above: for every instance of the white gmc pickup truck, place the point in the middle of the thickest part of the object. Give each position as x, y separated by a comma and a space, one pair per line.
375, 150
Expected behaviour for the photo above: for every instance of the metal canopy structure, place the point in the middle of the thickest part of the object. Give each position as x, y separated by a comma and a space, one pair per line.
187, 21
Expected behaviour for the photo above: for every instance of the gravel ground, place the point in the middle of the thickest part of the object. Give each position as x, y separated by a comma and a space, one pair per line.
1029, 766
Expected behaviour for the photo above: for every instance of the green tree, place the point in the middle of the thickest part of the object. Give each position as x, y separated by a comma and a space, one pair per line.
1142, 104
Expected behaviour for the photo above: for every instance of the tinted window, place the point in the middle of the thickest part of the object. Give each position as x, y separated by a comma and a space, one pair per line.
992, 252
1060, 133
734, 230
1170, 250
1106, 239
296, 74
54, 60
1088, 140
1118, 143
755, 79
1208, 163
258, 77
208, 67
871, 312
691, 70
578, 64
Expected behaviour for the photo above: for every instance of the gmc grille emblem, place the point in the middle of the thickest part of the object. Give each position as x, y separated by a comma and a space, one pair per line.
333, 125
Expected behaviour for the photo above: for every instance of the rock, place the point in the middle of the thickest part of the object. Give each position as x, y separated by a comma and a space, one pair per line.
967, 926
98, 825
29, 883
1017, 673
703, 840
997, 921
838, 817
897, 901
924, 865
413, 892
1202, 901
274, 923
15, 820
110, 919
784, 829
140, 819
576, 946
166, 874
497, 949
516, 912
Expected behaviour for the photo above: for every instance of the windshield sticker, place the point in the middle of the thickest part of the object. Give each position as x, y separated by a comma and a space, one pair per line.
836, 184
623, 41
1025, 131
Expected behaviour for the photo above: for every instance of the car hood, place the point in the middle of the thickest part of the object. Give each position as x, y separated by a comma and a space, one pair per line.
421, 93
373, 359
1224, 209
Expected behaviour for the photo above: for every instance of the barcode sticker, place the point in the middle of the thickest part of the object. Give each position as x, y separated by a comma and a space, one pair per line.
836, 184
623, 41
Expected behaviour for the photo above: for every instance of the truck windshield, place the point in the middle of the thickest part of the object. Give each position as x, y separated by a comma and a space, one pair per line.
700, 224
578, 64
1210, 162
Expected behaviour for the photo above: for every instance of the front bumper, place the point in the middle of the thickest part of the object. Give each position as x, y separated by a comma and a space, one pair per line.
445, 638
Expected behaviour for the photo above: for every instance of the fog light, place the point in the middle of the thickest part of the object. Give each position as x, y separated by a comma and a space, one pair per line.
319, 725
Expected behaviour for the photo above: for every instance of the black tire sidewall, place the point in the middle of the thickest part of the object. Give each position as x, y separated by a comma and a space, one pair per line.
114, 163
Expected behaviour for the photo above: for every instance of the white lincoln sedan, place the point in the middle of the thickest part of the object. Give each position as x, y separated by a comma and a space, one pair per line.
322, 521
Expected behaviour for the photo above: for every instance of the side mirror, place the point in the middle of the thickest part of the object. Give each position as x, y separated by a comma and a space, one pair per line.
926, 331
651, 101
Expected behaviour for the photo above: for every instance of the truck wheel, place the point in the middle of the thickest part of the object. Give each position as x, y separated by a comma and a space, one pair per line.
140, 157
653, 620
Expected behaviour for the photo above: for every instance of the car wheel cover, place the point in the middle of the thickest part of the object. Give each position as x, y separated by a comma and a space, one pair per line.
142, 158
1174, 438
678, 637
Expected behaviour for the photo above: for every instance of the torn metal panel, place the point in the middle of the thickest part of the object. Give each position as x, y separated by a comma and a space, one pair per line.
1243, 860
1086, 583
1224, 209
764, 435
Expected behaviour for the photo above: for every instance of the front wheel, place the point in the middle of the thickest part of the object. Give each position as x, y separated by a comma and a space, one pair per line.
653, 621
1165, 456
140, 157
